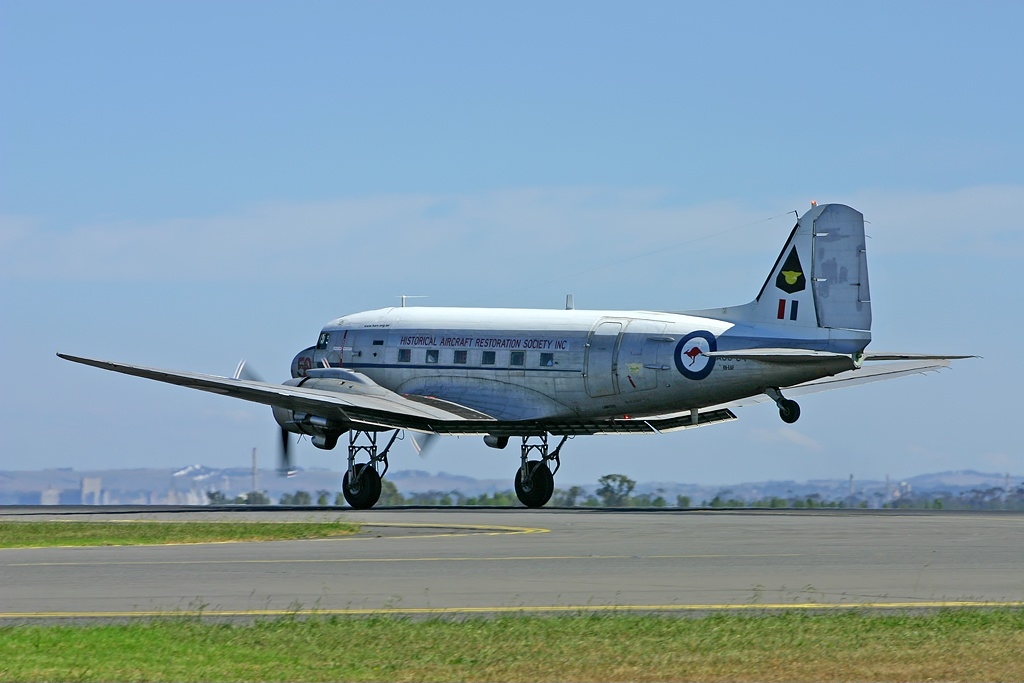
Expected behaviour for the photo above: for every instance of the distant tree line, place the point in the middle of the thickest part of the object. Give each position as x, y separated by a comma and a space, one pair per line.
994, 498
616, 490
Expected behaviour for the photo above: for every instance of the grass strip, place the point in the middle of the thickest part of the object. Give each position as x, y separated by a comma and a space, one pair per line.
59, 533
967, 645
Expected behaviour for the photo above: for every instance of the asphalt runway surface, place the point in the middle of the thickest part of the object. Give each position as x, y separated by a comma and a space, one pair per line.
471, 561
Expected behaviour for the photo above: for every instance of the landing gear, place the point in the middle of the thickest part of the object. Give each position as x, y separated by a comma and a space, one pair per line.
535, 489
789, 410
535, 480
361, 484
362, 491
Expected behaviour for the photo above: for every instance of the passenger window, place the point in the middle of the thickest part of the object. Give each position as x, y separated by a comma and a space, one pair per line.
488, 358
547, 360
378, 342
432, 355
461, 357
517, 358
321, 343
404, 355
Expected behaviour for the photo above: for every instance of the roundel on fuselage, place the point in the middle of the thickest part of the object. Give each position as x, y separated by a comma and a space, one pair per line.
691, 358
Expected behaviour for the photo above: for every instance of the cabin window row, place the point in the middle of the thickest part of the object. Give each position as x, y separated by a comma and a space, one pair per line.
462, 357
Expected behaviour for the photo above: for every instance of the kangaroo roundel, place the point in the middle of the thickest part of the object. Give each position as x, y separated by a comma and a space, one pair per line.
691, 354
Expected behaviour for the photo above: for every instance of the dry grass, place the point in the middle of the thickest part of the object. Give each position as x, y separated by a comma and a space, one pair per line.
956, 645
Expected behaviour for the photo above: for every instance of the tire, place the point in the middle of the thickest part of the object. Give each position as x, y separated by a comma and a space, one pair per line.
536, 491
365, 491
789, 411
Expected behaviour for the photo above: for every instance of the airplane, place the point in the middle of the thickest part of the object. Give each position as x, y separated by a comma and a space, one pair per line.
531, 374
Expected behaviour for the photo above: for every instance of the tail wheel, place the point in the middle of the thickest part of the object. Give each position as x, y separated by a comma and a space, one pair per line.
789, 410
362, 491
536, 489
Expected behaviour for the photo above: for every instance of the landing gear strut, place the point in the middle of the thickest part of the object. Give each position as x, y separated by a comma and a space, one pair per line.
535, 480
361, 484
789, 410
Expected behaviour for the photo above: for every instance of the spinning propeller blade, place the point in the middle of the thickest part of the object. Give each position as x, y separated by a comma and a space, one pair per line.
422, 442
284, 457
284, 467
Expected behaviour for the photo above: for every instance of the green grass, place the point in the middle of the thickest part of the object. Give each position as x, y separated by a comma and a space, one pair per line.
976, 645
45, 534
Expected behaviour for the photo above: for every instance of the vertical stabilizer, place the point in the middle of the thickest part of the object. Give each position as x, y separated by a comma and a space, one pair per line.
818, 287
821, 277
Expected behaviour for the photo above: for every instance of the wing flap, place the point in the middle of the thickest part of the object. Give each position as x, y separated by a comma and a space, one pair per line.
581, 427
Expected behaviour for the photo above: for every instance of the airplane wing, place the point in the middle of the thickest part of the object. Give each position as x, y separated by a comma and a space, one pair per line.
363, 404
359, 404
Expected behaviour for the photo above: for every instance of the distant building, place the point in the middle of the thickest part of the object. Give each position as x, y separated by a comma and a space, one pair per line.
92, 491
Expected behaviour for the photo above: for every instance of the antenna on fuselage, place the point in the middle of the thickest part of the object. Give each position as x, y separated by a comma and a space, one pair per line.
569, 305
403, 297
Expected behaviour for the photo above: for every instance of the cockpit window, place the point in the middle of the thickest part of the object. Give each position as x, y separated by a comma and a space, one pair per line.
321, 343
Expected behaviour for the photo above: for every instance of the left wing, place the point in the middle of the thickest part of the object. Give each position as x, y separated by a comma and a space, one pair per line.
360, 403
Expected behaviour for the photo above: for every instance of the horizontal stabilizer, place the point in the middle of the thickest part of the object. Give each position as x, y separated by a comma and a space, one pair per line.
910, 356
863, 375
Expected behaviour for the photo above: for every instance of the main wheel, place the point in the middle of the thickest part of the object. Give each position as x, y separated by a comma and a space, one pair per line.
539, 484
363, 491
789, 411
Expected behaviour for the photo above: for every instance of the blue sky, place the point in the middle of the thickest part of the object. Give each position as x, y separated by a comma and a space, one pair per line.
186, 184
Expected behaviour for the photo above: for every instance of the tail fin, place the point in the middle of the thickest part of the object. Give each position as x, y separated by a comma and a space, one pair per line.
819, 282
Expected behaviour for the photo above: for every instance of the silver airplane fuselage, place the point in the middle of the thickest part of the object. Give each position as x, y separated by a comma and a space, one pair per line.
529, 364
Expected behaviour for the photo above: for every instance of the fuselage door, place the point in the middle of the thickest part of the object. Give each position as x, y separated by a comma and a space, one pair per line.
602, 348
638, 363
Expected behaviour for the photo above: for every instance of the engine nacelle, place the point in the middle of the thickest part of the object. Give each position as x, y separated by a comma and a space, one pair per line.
496, 441
324, 433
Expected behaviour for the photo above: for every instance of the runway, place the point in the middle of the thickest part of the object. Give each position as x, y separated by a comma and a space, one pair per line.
445, 561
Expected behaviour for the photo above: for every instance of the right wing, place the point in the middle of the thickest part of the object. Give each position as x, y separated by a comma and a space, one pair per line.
356, 402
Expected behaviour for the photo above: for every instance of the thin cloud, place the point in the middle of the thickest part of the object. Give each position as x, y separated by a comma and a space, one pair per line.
520, 236
787, 435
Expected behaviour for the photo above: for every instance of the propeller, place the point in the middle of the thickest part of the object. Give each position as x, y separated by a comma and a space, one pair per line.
422, 442
284, 459
284, 456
